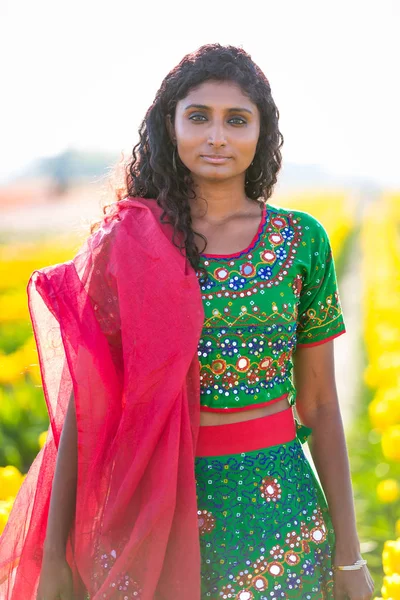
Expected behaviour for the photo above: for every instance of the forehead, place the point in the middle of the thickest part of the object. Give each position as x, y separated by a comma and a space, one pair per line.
218, 94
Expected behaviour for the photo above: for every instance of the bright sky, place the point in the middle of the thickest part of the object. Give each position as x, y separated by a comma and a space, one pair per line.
82, 73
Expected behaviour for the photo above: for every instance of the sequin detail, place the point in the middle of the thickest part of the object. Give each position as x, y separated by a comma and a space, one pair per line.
123, 587
272, 534
259, 305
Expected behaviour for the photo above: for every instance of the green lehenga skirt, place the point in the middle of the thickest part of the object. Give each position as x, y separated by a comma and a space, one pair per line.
264, 525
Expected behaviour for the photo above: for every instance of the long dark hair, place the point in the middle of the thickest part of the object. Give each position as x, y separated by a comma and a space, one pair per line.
150, 173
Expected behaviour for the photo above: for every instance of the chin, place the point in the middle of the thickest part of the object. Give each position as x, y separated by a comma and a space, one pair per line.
215, 174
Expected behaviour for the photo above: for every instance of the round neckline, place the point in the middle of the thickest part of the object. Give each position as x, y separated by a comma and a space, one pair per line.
252, 243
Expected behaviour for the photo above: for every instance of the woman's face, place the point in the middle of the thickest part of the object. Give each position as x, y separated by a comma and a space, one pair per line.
216, 118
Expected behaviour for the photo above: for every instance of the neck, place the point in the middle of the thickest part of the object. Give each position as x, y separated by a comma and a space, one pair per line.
218, 200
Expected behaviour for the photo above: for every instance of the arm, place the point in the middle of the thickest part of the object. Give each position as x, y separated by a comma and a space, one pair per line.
63, 495
318, 407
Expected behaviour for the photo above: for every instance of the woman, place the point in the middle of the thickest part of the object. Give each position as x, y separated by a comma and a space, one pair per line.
203, 170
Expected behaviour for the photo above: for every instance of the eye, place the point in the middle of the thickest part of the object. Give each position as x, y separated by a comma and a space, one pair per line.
242, 121
194, 117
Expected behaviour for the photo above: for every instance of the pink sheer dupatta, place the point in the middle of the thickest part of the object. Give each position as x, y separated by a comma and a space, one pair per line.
119, 324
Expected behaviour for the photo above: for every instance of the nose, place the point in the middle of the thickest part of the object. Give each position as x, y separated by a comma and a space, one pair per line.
217, 136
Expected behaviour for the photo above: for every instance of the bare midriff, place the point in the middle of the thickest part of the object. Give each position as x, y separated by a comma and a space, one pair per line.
214, 418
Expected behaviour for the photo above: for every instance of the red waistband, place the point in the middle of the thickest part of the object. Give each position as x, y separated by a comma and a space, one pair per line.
244, 436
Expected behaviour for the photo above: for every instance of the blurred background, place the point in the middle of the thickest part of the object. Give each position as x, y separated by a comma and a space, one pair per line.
78, 79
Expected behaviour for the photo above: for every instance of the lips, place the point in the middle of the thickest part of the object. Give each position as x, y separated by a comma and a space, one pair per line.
215, 158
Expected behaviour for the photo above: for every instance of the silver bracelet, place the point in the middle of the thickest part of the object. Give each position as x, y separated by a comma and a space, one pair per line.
357, 565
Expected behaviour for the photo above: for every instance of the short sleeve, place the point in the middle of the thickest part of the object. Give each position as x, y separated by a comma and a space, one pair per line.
320, 317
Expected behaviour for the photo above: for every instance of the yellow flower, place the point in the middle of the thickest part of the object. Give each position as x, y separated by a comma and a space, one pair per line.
384, 410
3, 518
391, 587
383, 369
10, 482
7, 504
42, 439
391, 557
391, 443
379, 414
388, 490
11, 369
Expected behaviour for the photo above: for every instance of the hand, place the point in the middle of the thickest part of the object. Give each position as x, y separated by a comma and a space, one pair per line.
56, 582
353, 585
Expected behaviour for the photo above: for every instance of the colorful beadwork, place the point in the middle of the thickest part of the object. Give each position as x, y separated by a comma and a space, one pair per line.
264, 526
260, 304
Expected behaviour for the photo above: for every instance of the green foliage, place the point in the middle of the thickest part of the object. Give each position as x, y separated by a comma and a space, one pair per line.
23, 416
14, 335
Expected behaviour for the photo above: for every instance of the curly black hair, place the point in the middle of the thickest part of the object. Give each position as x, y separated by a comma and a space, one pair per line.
150, 174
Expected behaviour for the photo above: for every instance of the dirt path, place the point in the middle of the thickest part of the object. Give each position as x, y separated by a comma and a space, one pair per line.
348, 359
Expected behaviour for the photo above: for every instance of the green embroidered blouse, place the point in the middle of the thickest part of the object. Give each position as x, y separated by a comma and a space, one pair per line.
260, 304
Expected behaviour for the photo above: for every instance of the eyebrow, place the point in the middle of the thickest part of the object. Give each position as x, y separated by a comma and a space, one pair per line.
237, 109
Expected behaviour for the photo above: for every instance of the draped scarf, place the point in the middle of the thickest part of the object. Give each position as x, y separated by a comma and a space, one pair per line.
118, 325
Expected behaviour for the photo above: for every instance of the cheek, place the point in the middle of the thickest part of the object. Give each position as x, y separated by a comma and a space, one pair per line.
246, 145
187, 135
248, 138
189, 143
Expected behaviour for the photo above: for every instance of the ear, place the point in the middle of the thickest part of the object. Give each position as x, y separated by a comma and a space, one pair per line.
170, 128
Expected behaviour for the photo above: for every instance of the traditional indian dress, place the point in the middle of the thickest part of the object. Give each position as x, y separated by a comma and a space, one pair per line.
264, 524
165, 509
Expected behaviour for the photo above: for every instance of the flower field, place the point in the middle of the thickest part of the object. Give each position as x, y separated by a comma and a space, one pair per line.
23, 412
335, 210
374, 443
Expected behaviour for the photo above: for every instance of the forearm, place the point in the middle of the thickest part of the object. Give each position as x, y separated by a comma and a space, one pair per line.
63, 494
329, 452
